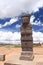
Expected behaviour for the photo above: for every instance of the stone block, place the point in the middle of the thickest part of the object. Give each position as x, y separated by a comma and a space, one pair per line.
27, 55
16, 61
27, 58
9, 64
2, 57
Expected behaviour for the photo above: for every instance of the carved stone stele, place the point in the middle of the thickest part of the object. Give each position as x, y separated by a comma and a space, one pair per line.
26, 38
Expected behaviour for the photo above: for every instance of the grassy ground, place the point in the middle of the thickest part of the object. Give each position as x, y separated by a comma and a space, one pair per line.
11, 46
19, 46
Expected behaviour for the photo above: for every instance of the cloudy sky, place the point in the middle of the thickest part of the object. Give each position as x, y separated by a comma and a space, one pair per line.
10, 19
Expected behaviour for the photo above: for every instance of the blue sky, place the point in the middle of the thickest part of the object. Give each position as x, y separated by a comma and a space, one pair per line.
10, 19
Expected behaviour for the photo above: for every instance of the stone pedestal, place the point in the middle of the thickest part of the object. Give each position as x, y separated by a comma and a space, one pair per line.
26, 38
2, 57
26, 55
16, 61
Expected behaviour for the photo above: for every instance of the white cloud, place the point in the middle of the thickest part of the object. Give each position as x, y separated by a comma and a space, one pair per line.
13, 20
9, 37
10, 8
37, 37
31, 19
38, 5
15, 38
36, 22
18, 26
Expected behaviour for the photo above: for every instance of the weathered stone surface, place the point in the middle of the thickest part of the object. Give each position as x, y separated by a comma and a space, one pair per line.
26, 31
25, 18
26, 44
38, 60
27, 49
26, 38
27, 57
2, 57
9, 64
29, 26
16, 61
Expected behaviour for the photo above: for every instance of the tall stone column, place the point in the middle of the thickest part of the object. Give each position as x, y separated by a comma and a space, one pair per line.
26, 38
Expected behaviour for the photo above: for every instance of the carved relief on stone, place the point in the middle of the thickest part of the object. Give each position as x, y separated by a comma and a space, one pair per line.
26, 38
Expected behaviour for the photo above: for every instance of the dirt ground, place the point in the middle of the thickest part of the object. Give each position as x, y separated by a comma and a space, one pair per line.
10, 52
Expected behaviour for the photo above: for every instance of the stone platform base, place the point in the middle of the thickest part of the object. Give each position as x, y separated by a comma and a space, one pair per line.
27, 55
2, 57
16, 61
38, 60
